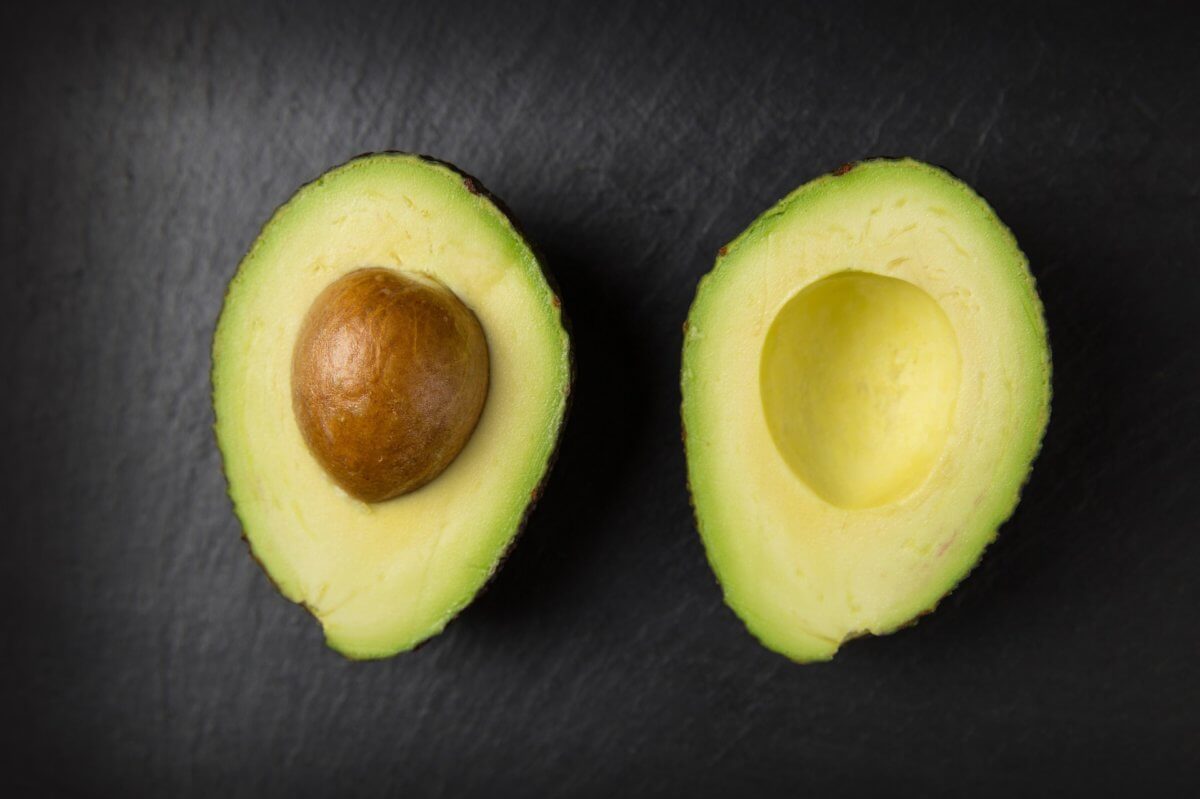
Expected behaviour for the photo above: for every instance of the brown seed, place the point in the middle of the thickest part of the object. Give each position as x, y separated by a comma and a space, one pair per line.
389, 378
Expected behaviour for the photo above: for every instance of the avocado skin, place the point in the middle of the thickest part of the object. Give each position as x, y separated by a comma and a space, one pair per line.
473, 185
722, 251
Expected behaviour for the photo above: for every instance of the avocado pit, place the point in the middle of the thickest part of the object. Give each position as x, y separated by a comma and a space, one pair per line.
389, 378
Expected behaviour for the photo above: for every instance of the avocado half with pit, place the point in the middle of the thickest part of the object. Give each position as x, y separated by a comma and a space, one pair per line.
390, 375
866, 381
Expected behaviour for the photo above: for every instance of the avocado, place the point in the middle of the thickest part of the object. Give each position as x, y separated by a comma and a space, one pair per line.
866, 382
390, 377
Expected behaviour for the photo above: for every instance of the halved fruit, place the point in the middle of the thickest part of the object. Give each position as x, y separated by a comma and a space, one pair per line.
866, 381
390, 375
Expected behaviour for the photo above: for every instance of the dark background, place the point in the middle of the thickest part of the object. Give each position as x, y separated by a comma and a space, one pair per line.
144, 653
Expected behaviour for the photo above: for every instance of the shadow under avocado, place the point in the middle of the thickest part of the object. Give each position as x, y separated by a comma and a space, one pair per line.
605, 417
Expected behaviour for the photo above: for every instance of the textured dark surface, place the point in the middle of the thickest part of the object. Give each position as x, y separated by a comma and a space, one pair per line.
145, 653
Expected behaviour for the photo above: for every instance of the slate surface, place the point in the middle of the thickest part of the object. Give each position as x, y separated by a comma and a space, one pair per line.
145, 654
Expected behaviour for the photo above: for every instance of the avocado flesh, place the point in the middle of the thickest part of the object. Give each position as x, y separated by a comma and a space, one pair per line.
383, 577
866, 381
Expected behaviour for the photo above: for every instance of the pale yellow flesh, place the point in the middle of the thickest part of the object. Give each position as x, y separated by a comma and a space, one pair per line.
865, 384
382, 577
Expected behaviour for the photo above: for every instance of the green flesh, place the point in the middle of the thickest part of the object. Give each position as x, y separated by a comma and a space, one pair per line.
866, 381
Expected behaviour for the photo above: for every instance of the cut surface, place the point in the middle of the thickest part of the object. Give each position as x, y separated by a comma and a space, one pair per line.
382, 577
865, 384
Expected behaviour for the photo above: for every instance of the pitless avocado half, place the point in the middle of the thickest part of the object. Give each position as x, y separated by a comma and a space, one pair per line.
866, 381
390, 377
